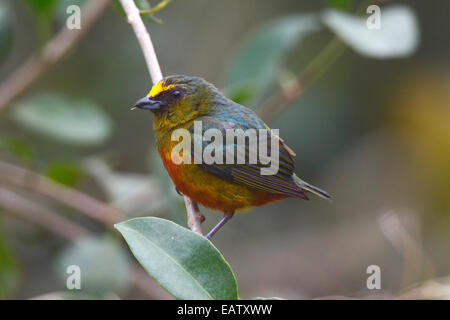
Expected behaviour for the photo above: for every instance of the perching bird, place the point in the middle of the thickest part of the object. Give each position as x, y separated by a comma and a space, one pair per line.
178, 101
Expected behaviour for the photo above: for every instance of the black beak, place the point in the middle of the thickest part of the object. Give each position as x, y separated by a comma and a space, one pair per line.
149, 104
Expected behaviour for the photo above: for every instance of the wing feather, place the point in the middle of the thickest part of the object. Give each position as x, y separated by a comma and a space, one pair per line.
281, 182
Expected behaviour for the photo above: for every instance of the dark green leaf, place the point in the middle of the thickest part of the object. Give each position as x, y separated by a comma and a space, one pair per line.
340, 4
79, 122
258, 61
66, 173
8, 270
18, 148
6, 31
41, 7
240, 93
186, 264
118, 8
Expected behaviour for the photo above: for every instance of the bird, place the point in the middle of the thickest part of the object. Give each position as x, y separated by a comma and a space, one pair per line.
178, 102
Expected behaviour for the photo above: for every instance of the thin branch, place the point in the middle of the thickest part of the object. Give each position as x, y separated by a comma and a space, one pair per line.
142, 35
29, 180
195, 219
194, 216
53, 51
38, 215
282, 99
315, 69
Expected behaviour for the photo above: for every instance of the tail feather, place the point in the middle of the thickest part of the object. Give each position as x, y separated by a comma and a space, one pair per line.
308, 187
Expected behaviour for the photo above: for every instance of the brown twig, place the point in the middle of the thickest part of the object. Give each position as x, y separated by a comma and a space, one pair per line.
87, 205
53, 51
281, 99
38, 215
194, 216
195, 219
313, 71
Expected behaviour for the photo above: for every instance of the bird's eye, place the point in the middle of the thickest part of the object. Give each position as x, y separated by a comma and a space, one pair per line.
176, 94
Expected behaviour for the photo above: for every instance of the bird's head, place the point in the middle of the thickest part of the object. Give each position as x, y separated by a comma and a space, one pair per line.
178, 99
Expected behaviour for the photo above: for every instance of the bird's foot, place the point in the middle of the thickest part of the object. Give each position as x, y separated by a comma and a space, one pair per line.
220, 224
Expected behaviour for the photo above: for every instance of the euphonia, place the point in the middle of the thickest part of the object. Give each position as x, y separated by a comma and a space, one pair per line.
177, 101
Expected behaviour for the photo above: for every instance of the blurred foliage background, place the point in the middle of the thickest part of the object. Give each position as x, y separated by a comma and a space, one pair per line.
368, 119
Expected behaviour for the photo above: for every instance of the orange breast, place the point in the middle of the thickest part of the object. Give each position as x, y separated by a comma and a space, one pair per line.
211, 191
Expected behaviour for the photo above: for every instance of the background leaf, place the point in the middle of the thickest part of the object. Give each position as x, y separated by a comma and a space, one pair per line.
9, 272
398, 36
103, 263
256, 64
133, 194
80, 122
6, 31
66, 173
18, 147
186, 264
41, 7
340, 4
43, 12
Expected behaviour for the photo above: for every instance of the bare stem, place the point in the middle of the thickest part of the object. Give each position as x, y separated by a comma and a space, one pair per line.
38, 215
87, 205
326, 58
194, 217
53, 51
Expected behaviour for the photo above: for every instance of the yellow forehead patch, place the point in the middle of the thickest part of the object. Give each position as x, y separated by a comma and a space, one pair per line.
158, 88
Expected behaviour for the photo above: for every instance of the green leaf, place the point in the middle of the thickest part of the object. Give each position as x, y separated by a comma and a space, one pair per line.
9, 273
6, 31
132, 193
239, 93
80, 122
18, 147
118, 8
340, 4
66, 173
103, 264
256, 64
61, 11
41, 7
398, 35
186, 264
